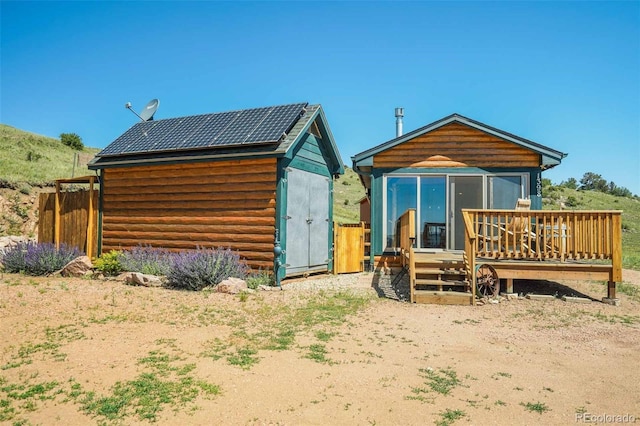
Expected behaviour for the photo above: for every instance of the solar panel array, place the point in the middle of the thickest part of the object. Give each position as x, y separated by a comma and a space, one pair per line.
249, 126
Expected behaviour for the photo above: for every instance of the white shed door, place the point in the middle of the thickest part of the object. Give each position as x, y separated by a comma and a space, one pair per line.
307, 222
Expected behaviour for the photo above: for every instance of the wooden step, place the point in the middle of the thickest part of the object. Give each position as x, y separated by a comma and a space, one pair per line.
440, 283
436, 271
443, 297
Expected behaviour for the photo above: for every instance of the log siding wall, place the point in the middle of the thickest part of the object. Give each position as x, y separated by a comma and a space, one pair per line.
184, 206
456, 145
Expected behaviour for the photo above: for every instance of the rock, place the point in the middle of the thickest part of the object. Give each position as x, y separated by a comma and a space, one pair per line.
231, 286
137, 278
610, 301
510, 296
78, 267
10, 241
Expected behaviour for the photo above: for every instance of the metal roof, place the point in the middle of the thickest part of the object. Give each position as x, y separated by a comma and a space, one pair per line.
256, 126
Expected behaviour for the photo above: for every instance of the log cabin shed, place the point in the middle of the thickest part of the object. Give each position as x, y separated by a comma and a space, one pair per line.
238, 179
451, 164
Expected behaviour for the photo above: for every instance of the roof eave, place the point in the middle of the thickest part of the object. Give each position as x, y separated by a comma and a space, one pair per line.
366, 157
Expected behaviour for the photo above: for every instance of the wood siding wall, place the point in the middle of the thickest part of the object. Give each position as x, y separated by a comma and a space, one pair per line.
184, 206
456, 145
74, 216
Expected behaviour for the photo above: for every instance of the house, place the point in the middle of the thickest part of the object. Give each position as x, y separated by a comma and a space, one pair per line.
244, 179
451, 164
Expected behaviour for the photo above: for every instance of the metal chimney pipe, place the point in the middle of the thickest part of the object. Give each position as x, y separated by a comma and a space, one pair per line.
399, 115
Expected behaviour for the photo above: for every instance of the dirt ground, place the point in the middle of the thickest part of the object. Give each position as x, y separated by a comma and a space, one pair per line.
80, 351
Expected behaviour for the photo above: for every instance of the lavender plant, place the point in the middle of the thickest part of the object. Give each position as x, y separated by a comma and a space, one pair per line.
38, 259
195, 270
147, 259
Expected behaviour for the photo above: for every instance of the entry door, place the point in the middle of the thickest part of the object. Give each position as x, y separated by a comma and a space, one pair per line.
465, 192
307, 221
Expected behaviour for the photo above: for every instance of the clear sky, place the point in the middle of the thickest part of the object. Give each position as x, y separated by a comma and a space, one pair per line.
563, 74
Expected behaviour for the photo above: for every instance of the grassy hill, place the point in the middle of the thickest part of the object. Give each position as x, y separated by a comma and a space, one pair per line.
347, 192
556, 198
37, 160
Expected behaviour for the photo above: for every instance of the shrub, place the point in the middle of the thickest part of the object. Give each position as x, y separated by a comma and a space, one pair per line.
259, 278
146, 259
195, 270
72, 140
571, 201
38, 259
109, 263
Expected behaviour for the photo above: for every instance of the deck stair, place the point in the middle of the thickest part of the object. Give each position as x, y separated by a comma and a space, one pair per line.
441, 278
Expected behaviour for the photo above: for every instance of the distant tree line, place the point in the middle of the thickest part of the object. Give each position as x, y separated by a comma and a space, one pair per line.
593, 182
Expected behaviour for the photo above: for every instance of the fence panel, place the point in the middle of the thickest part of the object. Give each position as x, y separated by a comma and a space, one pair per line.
74, 219
348, 255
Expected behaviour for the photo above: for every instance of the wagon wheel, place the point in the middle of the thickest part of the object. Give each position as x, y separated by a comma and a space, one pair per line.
487, 281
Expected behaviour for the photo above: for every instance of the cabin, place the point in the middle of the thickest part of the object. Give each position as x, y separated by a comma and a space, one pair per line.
443, 203
256, 180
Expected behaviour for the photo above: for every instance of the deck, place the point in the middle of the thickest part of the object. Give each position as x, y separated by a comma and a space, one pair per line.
515, 244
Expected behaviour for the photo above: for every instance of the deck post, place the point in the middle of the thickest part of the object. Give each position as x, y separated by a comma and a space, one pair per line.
611, 290
509, 285
56, 217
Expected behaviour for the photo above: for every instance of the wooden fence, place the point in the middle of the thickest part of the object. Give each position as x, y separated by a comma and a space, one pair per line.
349, 247
72, 225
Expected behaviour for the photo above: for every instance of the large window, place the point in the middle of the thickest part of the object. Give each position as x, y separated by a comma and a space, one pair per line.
401, 196
438, 200
432, 218
504, 191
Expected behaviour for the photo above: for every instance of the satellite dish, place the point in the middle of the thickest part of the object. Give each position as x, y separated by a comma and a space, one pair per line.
149, 110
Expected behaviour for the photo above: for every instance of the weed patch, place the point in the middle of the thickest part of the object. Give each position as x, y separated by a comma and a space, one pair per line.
538, 407
448, 417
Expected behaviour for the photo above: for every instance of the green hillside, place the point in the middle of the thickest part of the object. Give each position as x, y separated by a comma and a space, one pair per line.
556, 197
37, 160
347, 192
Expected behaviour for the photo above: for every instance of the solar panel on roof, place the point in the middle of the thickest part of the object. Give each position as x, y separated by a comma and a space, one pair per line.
250, 126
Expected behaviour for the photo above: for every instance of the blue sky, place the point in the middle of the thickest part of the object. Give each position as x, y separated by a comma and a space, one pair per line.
563, 74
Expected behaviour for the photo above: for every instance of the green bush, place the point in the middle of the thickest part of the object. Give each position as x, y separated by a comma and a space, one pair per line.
72, 140
259, 278
109, 263
571, 201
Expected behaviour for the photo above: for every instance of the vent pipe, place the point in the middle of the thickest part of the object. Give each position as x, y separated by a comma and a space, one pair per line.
399, 115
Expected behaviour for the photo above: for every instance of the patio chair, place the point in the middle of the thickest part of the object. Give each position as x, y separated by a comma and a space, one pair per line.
507, 239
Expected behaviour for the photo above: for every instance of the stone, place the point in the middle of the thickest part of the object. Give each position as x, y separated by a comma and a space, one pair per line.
510, 296
540, 296
610, 301
576, 299
10, 241
231, 286
137, 278
78, 267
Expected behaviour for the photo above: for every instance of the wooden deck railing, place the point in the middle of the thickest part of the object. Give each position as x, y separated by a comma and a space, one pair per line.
407, 233
545, 235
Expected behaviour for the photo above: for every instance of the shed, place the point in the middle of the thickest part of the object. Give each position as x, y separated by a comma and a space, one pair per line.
448, 165
240, 179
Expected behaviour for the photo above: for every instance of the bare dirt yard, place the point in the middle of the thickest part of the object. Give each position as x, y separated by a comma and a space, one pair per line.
321, 352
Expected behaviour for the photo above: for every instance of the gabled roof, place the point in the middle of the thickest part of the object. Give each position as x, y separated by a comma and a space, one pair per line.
550, 157
257, 132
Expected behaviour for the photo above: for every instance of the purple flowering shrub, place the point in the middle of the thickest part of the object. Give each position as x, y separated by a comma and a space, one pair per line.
195, 270
38, 259
146, 259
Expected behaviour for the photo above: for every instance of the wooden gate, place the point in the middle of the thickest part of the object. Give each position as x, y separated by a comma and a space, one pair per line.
348, 255
69, 217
